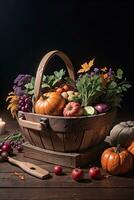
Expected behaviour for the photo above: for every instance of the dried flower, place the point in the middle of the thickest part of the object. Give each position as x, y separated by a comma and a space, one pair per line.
20, 175
13, 103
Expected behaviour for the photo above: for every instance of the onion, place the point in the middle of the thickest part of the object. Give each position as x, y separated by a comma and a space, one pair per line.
101, 107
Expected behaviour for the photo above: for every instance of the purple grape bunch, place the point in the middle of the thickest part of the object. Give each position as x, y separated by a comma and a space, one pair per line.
7, 148
25, 103
19, 84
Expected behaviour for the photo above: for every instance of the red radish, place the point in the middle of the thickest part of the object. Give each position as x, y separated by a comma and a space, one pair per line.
57, 169
72, 109
94, 172
77, 174
101, 107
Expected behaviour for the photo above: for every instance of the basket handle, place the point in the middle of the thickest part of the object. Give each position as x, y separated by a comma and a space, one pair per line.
34, 125
42, 67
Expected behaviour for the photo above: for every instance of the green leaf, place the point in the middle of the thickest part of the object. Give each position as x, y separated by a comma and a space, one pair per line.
45, 85
119, 73
44, 78
59, 75
30, 86
127, 85
31, 92
89, 88
48, 81
113, 85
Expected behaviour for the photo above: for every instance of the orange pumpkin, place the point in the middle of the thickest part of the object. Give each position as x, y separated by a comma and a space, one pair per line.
51, 103
116, 160
131, 148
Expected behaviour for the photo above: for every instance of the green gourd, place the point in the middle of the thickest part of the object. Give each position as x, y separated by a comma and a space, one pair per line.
122, 133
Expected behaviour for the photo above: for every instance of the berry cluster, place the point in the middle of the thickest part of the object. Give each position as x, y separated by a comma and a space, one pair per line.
25, 103
7, 148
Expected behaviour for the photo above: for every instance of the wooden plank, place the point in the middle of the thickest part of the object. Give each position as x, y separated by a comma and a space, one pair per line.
64, 181
65, 159
35, 135
57, 141
27, 135
44, 136
73, 141
7, 168
91, 154
66, 194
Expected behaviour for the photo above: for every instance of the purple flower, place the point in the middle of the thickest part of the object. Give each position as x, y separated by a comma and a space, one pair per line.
19, 83
22, 79
18, 90
18, 78
96, 70
110, 73
91, 74
79, 77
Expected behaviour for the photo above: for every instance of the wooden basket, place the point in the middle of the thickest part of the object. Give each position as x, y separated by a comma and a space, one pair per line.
58, 133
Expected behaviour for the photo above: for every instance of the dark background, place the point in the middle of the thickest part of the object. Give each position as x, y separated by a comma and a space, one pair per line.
82, 29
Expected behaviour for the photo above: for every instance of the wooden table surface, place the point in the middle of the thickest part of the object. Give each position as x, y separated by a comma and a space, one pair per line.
60, 187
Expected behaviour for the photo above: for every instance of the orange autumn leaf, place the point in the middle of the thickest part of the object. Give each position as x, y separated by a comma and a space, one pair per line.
86, 66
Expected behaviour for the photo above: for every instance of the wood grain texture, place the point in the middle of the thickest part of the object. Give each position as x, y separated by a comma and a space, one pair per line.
67, 134
62, 187
65, 159
66, 194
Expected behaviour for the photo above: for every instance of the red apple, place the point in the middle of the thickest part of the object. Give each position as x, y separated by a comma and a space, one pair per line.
77, 174
57, 169
94, 172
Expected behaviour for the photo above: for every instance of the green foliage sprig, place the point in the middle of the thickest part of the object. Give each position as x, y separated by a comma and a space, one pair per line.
115, 89
89, 89
101, 85
49, 81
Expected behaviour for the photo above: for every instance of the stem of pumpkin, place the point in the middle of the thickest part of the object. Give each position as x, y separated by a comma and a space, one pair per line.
44, 97
117, 150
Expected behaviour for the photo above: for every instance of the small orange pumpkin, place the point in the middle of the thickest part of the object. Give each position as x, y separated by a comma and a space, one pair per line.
131, 148
51, 103
116, 160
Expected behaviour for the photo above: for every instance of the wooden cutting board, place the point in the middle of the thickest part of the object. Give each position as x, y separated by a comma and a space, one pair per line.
30, 168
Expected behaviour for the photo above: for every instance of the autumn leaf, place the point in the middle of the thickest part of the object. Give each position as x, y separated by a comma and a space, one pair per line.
86, 66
